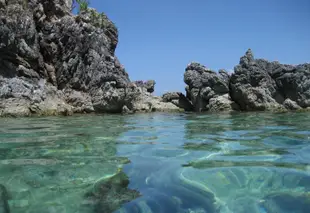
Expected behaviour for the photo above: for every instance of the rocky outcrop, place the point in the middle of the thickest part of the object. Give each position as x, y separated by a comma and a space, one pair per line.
255, 85
258, 84
54, 62
208, 90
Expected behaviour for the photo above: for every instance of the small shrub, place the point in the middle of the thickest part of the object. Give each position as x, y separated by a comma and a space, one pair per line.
81, 4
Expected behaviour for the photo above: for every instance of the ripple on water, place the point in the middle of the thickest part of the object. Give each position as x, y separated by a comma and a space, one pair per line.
157, 163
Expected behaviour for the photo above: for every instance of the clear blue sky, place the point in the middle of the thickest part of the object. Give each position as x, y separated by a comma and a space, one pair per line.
157, 39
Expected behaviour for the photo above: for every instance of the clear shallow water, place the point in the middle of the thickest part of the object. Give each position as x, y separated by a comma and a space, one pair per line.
157, 163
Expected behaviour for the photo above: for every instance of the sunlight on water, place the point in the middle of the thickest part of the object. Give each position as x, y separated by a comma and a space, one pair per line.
156, 163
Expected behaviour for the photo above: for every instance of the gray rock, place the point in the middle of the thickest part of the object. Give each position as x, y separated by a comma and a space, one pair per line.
291, 105
178, 99
205, 84
261, 85
221, 103
72, 55
142, 101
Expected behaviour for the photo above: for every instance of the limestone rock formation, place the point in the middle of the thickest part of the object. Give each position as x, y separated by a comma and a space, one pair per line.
208, 90
52, 61
258, 84
255, 85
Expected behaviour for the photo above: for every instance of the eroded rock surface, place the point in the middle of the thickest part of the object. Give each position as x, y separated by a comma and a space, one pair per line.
255, 85
207, 89
54, 62
258, 84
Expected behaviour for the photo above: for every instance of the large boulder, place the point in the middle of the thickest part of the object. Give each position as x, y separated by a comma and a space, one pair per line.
261, 85
206, 88
52, 56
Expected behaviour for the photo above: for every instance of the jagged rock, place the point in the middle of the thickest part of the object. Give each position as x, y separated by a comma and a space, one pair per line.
178, 99
72, 54
204, 84
261, 85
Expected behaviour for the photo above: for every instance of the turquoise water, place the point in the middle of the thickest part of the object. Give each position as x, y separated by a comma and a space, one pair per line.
157, 163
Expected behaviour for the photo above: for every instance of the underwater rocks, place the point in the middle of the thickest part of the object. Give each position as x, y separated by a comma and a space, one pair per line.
286, 202
255, 85
4, 206
109, 194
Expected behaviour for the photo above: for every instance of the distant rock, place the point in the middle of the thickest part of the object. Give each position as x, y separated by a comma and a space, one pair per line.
258, 84
207, 89
255, 85
178, 99
146, 102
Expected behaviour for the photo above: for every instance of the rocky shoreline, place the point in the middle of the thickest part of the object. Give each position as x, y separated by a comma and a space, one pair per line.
54, 62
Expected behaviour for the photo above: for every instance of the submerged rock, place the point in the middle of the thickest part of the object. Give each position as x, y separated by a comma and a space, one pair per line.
4, 205
109, 194
286, 202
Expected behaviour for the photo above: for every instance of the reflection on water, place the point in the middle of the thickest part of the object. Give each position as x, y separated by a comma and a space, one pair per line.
156, 163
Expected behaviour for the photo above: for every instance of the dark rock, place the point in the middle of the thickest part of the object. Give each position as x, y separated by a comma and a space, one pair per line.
261, 85
52, 61
204, 85
255, 85
108, 195
4, 206
178, 99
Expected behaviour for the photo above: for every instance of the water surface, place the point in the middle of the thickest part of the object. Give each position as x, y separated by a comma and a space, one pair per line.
157, 163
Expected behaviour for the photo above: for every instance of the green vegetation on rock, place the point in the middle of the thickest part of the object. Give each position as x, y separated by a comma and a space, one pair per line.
82, 4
